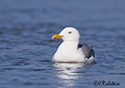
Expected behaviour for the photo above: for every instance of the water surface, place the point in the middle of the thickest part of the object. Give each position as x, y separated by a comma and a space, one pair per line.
26, 48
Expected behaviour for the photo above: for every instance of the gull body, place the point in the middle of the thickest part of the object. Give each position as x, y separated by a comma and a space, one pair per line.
70, 50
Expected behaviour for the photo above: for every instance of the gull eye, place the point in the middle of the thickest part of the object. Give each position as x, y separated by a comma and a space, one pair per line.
69, 32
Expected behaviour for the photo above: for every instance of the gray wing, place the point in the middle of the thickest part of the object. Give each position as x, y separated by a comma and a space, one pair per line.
88, 51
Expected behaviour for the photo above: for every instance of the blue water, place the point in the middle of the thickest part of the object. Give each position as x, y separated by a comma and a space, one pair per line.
26, 48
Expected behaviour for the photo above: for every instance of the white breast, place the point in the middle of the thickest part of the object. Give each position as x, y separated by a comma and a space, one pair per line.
67, 52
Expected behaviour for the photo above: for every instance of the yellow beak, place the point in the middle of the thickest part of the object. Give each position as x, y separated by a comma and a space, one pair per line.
56, 36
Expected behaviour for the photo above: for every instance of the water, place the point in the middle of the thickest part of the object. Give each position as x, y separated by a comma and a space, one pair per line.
26, 48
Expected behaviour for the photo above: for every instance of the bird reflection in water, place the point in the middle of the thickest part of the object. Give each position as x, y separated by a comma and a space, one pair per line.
68, 73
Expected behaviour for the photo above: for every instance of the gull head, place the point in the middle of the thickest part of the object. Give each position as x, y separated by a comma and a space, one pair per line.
68, 34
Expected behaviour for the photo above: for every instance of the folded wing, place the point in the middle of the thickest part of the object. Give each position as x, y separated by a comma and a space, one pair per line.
86, 50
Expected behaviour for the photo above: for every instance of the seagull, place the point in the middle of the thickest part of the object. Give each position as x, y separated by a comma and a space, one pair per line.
70, 50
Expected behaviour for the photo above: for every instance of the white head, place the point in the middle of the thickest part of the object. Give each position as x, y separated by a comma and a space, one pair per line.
68, 34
